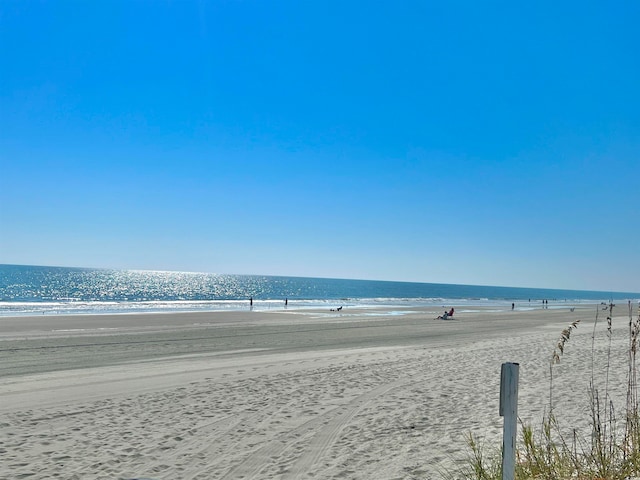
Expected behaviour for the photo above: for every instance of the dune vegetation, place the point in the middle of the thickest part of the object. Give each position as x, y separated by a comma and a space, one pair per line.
609, 449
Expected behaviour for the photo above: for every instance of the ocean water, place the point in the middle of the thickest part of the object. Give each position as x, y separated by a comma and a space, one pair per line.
36, 290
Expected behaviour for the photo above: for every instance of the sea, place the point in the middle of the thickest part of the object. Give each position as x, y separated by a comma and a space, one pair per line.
41, 290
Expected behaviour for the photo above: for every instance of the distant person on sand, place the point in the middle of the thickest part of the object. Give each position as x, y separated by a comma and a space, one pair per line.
251, 301
451, 312
513, 305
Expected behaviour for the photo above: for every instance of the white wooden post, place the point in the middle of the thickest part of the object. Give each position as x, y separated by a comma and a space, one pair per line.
509, 410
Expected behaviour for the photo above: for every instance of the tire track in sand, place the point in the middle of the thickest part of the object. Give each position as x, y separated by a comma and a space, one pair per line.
322, 438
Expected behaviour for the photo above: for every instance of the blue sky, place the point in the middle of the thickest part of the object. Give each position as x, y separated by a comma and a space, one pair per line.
493, 143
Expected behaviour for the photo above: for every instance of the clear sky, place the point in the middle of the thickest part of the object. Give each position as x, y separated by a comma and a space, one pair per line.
493, 143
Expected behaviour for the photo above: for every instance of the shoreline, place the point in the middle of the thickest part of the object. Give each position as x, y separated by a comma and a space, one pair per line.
53, 309
269, 394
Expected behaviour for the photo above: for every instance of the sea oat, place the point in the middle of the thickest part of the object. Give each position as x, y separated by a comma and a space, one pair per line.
564, 338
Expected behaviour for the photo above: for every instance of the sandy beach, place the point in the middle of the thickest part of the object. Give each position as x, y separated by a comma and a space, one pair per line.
286, 394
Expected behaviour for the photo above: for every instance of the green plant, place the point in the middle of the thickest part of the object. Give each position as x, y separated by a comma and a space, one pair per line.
611, 452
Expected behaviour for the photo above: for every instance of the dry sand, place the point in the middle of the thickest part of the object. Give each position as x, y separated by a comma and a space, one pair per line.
361, 394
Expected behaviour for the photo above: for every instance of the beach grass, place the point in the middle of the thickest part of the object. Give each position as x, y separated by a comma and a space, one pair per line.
609, 449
